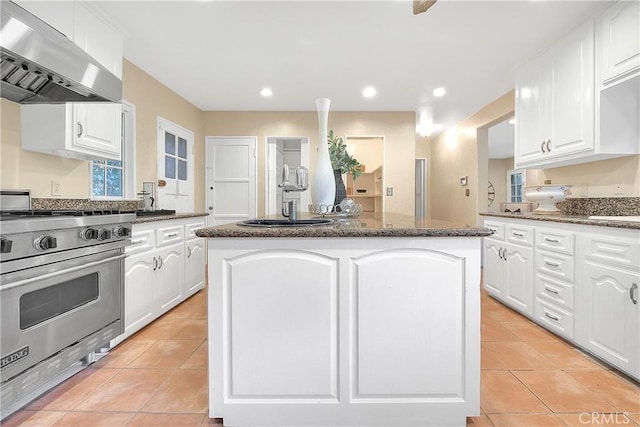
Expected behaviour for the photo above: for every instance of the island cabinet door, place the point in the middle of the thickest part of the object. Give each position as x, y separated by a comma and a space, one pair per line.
343, 335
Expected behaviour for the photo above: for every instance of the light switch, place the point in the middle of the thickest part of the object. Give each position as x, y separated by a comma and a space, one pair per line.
389, 191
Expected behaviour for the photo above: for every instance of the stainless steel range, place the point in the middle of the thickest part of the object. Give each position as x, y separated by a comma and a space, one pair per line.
61, 293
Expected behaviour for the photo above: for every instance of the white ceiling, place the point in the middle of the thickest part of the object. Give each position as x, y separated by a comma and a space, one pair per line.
219, 54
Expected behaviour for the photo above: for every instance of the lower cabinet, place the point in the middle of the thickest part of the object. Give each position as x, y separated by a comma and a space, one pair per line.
162, 270
578, 281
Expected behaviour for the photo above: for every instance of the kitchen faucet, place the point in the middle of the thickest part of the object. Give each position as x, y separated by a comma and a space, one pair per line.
290, 208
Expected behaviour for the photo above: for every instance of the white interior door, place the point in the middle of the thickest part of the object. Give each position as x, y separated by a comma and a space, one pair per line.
175, 167
231, 179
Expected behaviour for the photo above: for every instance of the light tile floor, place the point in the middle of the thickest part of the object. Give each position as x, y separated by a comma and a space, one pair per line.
158, 377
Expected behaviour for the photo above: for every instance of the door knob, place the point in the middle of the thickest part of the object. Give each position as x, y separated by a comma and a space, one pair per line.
210, 208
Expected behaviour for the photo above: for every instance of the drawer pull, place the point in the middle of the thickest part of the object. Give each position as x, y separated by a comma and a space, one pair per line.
155, 264
137, 241
551, 317
552, 291
518, 234
172, 234
546, 239
551, 264
632, 292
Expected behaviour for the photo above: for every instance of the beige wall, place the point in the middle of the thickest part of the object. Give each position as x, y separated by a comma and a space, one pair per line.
398, 129
463, 152
498, 176
153, 99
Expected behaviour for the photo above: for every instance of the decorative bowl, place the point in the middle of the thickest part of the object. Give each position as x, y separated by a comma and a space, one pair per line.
547, 196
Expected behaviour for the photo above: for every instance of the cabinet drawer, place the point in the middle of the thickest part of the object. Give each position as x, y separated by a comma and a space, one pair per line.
555, 240
553, 318
555, 265
520, 234
497, 227
169, 235
141, 241
621, 252
554, 291
190, 229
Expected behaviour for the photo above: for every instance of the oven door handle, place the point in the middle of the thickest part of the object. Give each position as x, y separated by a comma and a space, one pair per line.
65, 271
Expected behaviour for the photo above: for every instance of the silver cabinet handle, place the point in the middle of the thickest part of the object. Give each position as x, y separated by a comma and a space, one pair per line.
546, 239
548, 146
135, 242
155, 264
551, 317
551, 291
632, 292
551, 264
80, 129
500, 253
172, 235
542, 147
161, 262
518, 234
188, 252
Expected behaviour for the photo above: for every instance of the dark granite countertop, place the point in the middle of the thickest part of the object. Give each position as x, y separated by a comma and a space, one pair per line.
381, 225
145, 219
569, 219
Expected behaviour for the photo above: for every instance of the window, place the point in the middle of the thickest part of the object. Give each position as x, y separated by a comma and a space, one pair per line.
515, 185
115, 179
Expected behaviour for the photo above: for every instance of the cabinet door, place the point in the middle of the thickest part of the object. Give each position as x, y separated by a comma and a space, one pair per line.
573, 93
169, 276
194, 265
58, 14
620, 38
493, 270
97, 129
98, 38
519, 277
607, 319
531, 104
139, 295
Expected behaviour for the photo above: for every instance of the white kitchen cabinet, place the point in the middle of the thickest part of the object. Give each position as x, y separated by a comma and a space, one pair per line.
609, 316
619, 35
162, 270
508, 267
83, 131
195, 258
555, 101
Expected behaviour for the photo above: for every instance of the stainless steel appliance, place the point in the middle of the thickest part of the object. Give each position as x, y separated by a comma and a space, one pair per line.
61, 294
42, 66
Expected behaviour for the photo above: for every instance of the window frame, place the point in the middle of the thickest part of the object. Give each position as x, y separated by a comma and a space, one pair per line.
523, 174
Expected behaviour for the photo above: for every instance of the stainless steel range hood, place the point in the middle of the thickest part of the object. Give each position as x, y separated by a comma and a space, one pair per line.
39, 65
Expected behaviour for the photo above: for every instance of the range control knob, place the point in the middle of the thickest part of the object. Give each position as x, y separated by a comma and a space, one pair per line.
89, 233
104, 234
43, 243
122, 231
5, 245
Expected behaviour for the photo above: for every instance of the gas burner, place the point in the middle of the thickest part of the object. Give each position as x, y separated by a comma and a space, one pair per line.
51, 213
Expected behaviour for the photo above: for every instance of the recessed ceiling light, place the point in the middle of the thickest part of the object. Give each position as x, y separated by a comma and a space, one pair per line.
439, 91
266, 92
369, 92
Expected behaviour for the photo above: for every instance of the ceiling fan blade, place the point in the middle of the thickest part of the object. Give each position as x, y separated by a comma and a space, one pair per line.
420, 6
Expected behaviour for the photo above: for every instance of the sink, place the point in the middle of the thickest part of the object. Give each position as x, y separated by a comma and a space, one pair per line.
617, 218
265, 223
159, 212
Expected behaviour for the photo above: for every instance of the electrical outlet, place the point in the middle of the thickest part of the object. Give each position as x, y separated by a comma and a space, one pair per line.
389, 191
56, 188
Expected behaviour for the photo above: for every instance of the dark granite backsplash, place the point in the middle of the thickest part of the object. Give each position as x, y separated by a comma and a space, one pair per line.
605, 206
84, 204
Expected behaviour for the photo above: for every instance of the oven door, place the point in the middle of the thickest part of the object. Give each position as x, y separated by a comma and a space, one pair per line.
49, 307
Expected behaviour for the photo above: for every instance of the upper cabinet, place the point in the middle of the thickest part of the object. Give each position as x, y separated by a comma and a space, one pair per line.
619, 35
564, 115
79, 130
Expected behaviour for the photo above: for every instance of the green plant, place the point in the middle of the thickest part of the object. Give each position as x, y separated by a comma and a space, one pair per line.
340, 159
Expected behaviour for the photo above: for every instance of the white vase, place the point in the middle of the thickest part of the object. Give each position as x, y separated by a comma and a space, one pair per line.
323, 185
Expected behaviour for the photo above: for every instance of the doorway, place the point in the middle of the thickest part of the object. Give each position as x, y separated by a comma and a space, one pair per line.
368, 188
294, 151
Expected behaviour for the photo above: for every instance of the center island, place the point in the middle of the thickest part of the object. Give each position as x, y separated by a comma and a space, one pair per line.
365, 322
